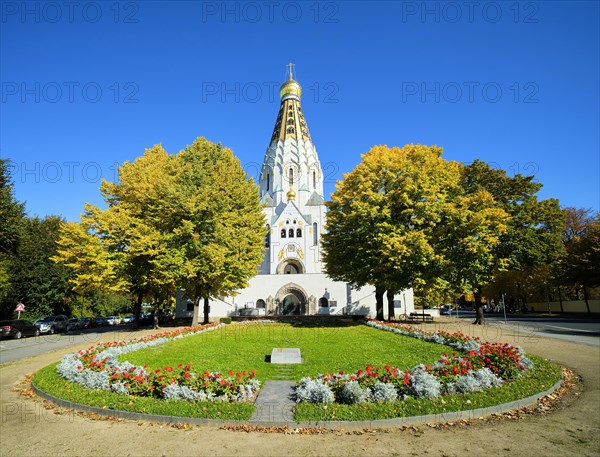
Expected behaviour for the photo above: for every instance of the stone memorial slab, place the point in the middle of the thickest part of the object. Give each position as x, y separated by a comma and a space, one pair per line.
286, 355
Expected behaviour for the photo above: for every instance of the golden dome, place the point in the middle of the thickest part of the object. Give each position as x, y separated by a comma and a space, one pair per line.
290, 87
291, 195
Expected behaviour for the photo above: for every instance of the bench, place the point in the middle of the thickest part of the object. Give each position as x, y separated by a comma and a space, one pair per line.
420, 317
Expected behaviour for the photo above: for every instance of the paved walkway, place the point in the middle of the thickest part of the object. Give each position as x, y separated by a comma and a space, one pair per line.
274, 404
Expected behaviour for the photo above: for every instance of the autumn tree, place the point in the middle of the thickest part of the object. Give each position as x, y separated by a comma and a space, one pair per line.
190, 220
581, 264
220, 228
532, 241
94, 268
402, 219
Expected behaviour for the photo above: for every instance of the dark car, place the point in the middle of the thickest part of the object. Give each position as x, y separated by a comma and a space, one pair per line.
52, 324
101, 321
17, 329
75, 324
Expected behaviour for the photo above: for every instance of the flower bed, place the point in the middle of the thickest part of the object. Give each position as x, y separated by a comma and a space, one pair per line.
484, 366
99, 368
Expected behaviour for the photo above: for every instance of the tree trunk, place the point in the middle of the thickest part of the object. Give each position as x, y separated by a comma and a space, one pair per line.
478, 307
585, 296
379, 302
206, 310
390, 299
560, 300
137, 309
195, 317
155, 320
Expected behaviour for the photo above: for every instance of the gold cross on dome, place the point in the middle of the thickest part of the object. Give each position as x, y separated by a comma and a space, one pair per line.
290, 65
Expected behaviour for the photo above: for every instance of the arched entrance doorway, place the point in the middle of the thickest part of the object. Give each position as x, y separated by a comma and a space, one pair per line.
291, 300
290, 267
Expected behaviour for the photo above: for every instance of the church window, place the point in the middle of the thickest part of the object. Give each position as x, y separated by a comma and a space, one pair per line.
260, 303
291, 269
323, 302
315, 234
287, 222
282, 233
295, 222
290, 122
291, 176
314, 180
268, 237
291, 232
299, 233
268, 181
290, 130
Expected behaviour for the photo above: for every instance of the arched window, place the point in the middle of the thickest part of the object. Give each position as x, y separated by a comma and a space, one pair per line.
268, 181
260, 303
282, 233
268, 237
315, 234
299, 233
291, 233
323, 302
291, 176
314, 180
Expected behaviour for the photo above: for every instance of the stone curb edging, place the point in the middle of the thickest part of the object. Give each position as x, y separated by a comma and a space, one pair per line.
372, 424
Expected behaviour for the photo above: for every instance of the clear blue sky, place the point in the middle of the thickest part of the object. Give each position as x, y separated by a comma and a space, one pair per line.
87, 86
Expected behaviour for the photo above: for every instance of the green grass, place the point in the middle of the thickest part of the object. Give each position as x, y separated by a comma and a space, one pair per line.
348, 347
51, 382
543, 376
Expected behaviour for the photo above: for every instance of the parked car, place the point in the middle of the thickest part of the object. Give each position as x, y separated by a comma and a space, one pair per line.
75, 324
101, 321
17, 329
52, 324
113, 320
128, 319
445, 310
88, 322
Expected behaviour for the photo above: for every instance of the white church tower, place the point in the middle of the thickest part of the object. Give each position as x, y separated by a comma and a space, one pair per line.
291, 280
291, 189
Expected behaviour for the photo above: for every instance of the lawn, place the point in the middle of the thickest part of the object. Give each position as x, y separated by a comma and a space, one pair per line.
325, 349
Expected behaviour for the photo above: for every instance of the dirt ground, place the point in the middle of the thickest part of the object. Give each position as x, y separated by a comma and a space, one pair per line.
32, 427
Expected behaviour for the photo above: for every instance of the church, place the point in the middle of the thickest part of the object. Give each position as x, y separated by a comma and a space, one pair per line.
291, 279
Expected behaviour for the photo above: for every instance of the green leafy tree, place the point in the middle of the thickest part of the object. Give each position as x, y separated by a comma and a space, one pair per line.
220, 225
134, 230
402, 219
534, 232
12, 212
189, 220
94, 268
39, 283
581, 264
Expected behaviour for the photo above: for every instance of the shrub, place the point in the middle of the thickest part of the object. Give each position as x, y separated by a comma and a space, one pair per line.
313, 391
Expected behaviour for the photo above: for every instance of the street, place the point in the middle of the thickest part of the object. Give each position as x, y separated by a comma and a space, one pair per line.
11, 350
582, 329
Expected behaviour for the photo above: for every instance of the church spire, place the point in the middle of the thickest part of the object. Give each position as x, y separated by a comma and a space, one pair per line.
290, 120
291, 171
